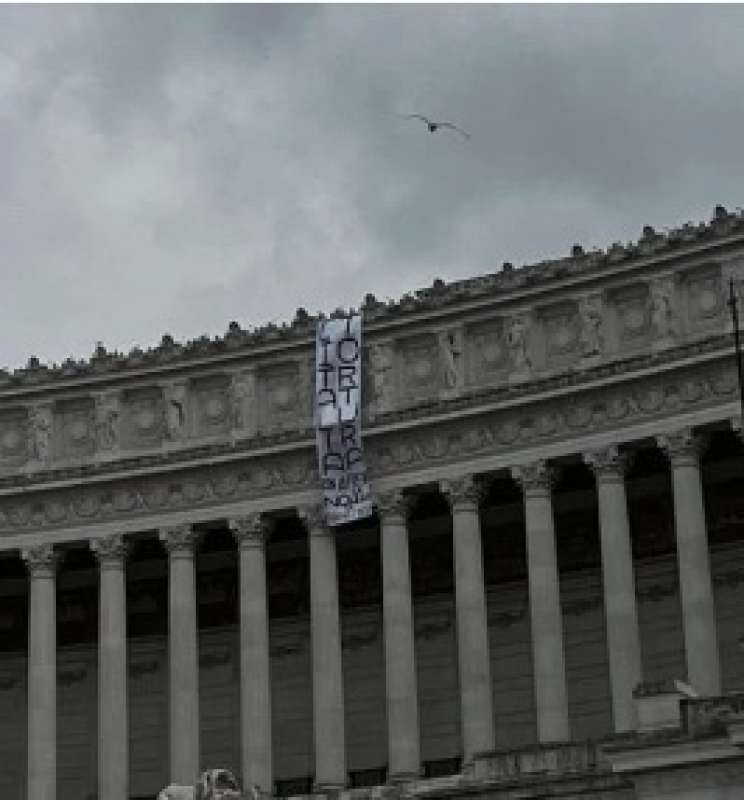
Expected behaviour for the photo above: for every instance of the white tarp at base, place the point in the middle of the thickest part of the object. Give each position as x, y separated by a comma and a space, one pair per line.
338, 404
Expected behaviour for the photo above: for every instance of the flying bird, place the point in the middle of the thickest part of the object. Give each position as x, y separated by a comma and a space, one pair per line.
435, 126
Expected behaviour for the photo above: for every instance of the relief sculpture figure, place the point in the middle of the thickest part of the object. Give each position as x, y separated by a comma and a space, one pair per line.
40, 420
662, 313
450, 348
107, 415
592, 339
242, 399
381, 364
175, 411
516, 339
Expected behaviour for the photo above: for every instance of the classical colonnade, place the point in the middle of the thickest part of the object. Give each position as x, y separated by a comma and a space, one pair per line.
477, 720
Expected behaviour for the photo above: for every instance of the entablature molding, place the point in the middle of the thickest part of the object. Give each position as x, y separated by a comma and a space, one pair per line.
548, 428
505, 343
181, 452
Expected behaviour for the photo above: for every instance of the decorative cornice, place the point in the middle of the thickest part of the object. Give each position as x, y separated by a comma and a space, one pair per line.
298, 439
682, 447
607, 464
535, 478
462, 494
110, 551
179, 540
251, 530
168, 352
41, 560
393, 505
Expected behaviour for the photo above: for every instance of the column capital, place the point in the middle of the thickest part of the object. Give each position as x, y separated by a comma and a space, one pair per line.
462, 494
41, 560
608, 463
179, 540
314, 518
110, 551
249, 530
392, 504
682, 447
535, 478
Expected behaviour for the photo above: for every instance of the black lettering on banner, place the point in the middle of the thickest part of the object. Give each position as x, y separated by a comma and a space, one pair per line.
347, 350
327, 433
353, 456
325, 341
333, 462
348, 434
346, 380
327, 397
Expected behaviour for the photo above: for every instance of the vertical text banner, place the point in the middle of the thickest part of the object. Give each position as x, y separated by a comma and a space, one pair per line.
338, 405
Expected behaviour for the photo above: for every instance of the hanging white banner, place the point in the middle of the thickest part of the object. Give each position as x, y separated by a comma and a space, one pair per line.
338, 405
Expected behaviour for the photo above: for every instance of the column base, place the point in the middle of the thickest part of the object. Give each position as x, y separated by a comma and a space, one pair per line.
331, 789
404, 777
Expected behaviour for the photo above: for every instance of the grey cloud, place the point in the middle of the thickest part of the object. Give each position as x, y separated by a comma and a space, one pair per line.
175, 167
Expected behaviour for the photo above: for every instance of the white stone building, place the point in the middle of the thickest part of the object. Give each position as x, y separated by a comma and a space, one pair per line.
556, 456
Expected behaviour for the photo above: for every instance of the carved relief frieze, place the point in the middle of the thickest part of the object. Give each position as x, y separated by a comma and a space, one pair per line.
40, 434
75, 429
657, 397
451, 343
106, 413
518, 345
418, 368
561, 331
488, 356
654, 398
243, 403
14, 442
592, 336
176, 411
142, 418
211, 406
380, 379
704, 302
306, 392
664, 310
632, 314
278, 400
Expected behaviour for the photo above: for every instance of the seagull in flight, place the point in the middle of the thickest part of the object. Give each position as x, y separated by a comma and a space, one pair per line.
435, 126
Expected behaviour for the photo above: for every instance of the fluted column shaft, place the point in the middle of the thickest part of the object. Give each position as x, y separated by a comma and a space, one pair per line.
621, 616
325, 622
696, 586
400, 660
476, 694
255, 682
548, 658
42, 673
183, 655
113, 731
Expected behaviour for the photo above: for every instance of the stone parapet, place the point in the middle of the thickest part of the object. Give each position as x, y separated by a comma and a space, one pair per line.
495, 338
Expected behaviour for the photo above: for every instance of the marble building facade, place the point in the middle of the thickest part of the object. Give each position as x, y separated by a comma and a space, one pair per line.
557, 463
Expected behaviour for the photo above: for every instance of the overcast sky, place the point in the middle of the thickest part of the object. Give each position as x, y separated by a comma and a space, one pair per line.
174, 168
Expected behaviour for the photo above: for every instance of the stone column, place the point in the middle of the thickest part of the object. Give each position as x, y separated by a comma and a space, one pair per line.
255, 683
696, 587
621, 617
113, 731
325, 624
183, 654
476, 695
42, 673
400, 660
548, 659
